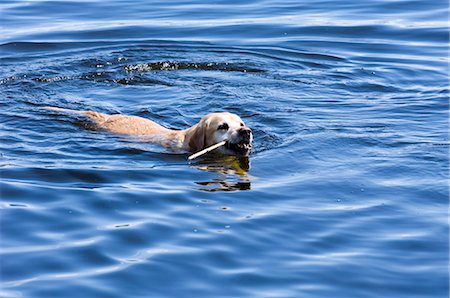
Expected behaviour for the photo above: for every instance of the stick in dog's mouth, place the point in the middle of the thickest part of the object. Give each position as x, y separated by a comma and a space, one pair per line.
206, 150
241, 146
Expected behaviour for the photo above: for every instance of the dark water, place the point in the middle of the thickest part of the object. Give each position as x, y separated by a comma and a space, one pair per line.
344, 195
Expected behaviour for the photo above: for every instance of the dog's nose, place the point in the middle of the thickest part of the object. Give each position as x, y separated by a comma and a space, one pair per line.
245, 132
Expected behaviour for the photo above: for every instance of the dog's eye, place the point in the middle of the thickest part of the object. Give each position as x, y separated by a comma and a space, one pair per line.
223, 126
242, 124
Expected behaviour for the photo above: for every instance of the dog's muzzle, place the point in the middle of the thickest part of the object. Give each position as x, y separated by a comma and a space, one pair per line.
243, 145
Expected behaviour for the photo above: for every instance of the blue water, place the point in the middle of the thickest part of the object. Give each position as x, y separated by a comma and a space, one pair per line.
344, 195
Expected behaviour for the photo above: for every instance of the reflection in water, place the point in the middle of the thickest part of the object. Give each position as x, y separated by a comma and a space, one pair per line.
232, 172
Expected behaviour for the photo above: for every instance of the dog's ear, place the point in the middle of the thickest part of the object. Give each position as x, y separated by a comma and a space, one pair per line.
197, 140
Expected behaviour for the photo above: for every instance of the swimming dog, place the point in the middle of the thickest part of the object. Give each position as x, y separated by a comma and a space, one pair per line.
211, 129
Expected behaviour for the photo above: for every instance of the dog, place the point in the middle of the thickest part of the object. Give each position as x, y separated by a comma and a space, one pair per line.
211, 129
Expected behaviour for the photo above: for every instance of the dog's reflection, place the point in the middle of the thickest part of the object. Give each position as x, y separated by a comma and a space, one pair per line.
232, 170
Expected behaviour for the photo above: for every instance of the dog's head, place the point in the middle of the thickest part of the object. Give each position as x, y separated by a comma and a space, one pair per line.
217, 127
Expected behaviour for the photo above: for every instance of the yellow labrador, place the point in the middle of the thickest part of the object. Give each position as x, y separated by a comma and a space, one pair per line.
211, 129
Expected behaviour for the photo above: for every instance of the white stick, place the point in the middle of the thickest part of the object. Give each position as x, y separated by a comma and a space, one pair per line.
206, 150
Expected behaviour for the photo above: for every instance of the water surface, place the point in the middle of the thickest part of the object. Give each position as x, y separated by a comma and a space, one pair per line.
344, 195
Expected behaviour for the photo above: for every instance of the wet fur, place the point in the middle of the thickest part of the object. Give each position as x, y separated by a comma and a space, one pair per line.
201, 135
